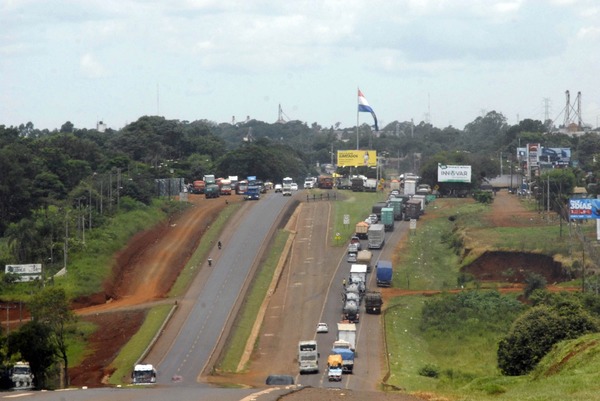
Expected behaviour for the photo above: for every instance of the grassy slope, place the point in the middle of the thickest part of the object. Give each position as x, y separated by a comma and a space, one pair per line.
467, 361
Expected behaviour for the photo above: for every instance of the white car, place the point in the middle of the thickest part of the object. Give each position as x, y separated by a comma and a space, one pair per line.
322, 328
294, 186
278, 188
373, 218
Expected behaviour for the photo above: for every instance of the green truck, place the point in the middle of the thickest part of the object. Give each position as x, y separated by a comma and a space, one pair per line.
212, 191
398, 205
387, 218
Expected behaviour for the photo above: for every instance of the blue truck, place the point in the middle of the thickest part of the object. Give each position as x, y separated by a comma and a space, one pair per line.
347, 358
384, 273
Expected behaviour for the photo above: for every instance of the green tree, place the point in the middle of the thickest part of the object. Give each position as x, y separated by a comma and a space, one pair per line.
34, 342
535, 332
50, 307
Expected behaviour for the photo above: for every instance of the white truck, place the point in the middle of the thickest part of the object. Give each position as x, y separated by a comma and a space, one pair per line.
308, 356
346, 336
410, 186
358, 274
21, 376
287, 186
376, 235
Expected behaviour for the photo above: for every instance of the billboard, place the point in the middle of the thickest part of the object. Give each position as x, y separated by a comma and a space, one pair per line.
356, 158
586, 208
25, 272
449, 173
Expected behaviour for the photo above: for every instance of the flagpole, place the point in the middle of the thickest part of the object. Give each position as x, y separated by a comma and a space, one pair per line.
357, 112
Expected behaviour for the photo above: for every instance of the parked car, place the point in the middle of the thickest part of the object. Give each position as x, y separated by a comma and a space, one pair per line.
322, 328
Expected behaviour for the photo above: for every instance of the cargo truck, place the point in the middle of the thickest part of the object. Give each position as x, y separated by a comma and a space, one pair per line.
252, 193
212, 191
384, 273
376, 209
410, 186
358, 184
308, 356
346, 336
334, 367
350, 311
387, 218
358, 274
347, 356
373, 302
370, 185
398, 206
376, 235
364, 258
412, 210
361, 229
21, 376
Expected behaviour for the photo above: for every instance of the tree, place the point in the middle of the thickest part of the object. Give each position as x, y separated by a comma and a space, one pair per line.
33, 342
535, 332
50, 307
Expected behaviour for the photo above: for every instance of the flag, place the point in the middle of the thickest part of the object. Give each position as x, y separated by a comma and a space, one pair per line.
363, 106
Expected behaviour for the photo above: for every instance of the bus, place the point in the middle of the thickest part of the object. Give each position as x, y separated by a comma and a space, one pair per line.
308, 356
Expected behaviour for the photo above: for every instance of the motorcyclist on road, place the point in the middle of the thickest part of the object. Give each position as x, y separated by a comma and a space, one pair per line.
219, 244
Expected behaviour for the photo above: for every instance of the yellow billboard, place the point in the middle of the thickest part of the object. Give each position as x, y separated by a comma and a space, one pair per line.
356, 158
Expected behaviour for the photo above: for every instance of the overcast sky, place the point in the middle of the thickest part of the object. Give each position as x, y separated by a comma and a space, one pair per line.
446, 62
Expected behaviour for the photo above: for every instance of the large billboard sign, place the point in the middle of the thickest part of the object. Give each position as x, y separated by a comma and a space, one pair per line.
25, 272
449, 173
356, 158
580, 209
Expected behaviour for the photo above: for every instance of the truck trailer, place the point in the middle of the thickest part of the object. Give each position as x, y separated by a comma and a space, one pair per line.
412, 210
387, 218
346, 336
376, 235
373, 302
384, 273
364, 258
347, 356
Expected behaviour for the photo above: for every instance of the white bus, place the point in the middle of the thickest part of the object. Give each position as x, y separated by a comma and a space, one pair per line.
308, 356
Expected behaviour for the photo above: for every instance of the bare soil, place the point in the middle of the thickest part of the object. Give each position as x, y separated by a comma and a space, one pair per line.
149, 265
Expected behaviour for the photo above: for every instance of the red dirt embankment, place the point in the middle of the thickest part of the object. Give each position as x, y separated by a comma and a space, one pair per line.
144, 271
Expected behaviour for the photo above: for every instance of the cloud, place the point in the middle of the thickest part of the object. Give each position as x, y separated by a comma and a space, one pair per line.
92, 68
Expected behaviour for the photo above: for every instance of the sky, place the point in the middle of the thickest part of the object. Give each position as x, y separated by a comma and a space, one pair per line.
445, 62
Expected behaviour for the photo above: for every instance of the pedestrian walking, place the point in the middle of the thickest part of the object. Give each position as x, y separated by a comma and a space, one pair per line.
344, 283
219, 244
209, 262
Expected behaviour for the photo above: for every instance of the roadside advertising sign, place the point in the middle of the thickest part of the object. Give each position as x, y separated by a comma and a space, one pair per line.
26, 272
449, 173
356, 158
584, 208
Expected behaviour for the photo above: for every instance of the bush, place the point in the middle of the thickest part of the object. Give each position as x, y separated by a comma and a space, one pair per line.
535, 332
430, 371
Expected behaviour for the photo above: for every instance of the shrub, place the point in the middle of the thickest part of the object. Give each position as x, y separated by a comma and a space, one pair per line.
430, 370
535, 332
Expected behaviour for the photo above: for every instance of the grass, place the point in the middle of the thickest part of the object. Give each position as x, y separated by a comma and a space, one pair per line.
136, 346
357, 205
464, 361
253, 301
201, 253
